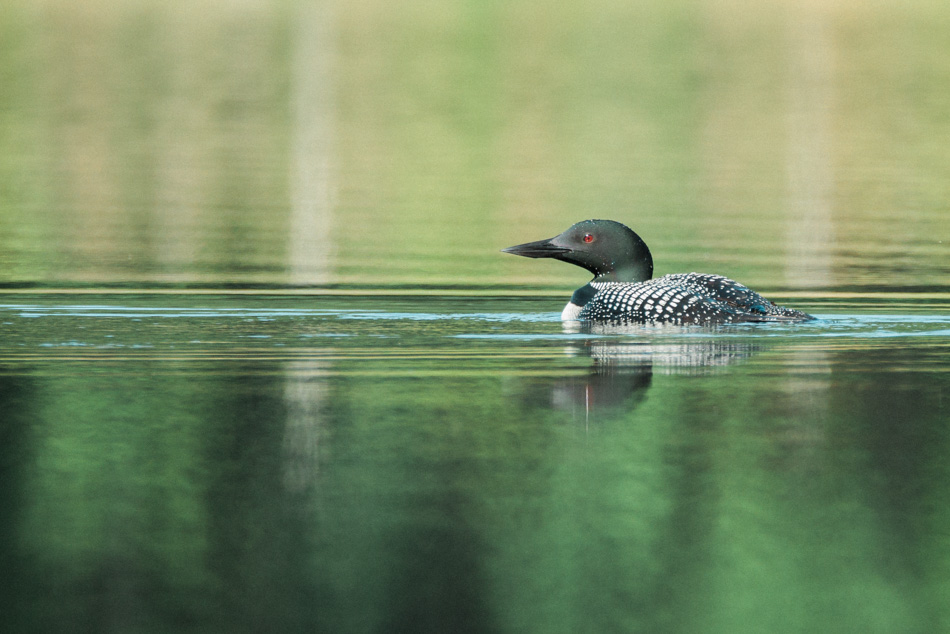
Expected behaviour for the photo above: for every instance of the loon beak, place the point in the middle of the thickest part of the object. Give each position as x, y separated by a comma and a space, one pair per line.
539, 249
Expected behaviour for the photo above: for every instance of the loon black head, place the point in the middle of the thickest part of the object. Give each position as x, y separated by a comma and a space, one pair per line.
608, 249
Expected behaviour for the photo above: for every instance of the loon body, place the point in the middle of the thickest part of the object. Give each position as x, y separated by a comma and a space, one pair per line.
622, 289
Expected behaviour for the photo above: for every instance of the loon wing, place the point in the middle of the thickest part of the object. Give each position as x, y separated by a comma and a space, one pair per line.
661, 301
735, 295
720, 289
688, 298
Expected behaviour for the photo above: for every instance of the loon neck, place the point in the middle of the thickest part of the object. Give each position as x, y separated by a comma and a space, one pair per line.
640, 270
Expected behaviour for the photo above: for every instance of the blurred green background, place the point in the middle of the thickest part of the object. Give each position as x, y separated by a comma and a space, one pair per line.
793, 145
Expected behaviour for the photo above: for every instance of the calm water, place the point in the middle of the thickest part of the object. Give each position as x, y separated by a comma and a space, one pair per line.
464, 464
263, 367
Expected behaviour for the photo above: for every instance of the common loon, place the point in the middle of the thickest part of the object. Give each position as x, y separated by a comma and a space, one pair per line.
622, 290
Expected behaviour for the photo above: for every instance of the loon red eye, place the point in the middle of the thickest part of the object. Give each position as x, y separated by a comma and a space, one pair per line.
588, 237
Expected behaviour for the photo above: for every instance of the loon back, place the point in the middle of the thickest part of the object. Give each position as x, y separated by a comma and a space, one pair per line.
622, 290
681, 299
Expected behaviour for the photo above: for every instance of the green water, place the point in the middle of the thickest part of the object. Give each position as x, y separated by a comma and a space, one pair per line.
264, 368
459, 464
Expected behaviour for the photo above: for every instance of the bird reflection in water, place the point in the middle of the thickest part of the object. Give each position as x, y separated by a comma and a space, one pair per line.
622, 369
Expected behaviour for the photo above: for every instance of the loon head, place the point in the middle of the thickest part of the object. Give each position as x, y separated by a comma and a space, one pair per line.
608, 249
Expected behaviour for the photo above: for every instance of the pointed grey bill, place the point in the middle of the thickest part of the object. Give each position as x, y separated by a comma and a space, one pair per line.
538, 249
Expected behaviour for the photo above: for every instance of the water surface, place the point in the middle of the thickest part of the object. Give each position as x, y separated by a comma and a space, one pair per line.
450, 463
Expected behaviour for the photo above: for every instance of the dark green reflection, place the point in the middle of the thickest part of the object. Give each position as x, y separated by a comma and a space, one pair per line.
627, 496
19, 580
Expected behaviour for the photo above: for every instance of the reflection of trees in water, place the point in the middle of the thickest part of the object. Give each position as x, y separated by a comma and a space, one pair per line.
17, 452
640, 482
305, 393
